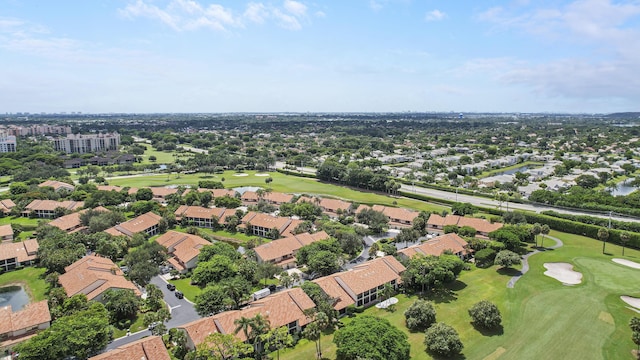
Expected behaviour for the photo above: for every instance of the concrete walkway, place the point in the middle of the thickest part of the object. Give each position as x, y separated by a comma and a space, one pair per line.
525, 261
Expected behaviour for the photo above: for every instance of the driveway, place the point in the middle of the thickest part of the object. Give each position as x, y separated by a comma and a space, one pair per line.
182, 312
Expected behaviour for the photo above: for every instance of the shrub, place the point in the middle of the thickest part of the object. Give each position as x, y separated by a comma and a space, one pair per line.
485, 257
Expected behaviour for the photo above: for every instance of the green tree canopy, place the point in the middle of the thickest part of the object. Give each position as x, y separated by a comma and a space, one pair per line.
369, 337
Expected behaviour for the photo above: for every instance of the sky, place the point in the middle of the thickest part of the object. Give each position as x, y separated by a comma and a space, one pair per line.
194, 56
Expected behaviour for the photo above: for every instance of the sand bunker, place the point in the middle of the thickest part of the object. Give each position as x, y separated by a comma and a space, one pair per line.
563, 272
635, 302
241, 174
628, 263
262, 174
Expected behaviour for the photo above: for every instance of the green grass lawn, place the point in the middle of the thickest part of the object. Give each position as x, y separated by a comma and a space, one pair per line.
162, 157
189, 291
20, 220
136, 326
282, 183
541, 317
31, 277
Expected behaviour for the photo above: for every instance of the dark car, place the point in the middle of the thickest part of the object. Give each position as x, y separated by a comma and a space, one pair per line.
272, 288
171, 287
179, 294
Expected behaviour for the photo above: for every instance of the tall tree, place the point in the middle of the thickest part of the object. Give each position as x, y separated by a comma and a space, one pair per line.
603, 235
278, 338
368, 337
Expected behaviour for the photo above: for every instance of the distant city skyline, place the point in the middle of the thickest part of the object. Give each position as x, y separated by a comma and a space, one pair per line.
197, 56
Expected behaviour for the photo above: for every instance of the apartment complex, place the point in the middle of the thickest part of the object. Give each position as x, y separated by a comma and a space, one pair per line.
81, 143
7, 143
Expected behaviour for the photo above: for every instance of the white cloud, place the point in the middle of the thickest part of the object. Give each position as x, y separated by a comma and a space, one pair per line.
190, 15
256, 12
296, 8
608, 31
320, 14
435, 15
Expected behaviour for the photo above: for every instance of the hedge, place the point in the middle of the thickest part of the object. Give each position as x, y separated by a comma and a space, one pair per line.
296, 173
616, 224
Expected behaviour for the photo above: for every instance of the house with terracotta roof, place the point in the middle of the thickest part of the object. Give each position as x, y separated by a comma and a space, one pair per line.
332, 207
57, 185
148, 348
20, 325
71, 223
262, 224
277, 198
93, 275
201, 216
130, 191
18, 254
216, 193
398, 217
437, 246
146, 223
282, 251
46, 208
160, 193
285, 308
361, 286
183, 248
482, 226
249, 198
6, 205
6, 233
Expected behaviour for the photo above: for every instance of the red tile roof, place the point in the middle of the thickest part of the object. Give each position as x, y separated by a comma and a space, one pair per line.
51, 205
280, 309
30, 316
287, 246
345, 286
72, 221
437, 246
183, 246
57, 185
92, 275
6, 230
148, 348
6, 205
134, 226
24, 251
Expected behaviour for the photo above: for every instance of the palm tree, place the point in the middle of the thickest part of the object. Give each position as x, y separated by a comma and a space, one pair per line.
259, 326
624, 238
544, 229
603, 234
536, 229
243, 324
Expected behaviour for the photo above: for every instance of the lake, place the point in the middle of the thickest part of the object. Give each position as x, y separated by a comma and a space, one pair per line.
623, 188
14, 296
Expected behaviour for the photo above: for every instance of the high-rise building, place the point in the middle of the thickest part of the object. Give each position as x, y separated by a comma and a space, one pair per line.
7, 143
79, 143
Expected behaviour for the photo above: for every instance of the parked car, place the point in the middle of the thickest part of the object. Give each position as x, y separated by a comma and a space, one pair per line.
272, 288
171, 287
179, 294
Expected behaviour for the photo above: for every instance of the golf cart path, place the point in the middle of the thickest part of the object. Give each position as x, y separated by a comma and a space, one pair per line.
525, 262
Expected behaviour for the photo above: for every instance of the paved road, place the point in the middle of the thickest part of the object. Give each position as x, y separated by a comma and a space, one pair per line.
182, 312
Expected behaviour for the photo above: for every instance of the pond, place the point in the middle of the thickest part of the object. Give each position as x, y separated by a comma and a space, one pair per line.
14, 296
623, 188
513, 171
241, 190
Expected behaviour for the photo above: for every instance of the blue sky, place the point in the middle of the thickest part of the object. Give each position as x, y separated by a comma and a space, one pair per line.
317, 56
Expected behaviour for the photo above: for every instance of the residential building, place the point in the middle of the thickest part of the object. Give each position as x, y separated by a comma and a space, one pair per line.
184, 249
201, 216
90, 143
361, 285
277, 198
71, 223
18, 254
93, 275
148, 348
6, 233
18, 326
482, 226
285, 308
47, 208
160, 193
146, 223
57, 185
264, 224
282, 251
6, 205
7, 143
437, 246
398, 217
130, 191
